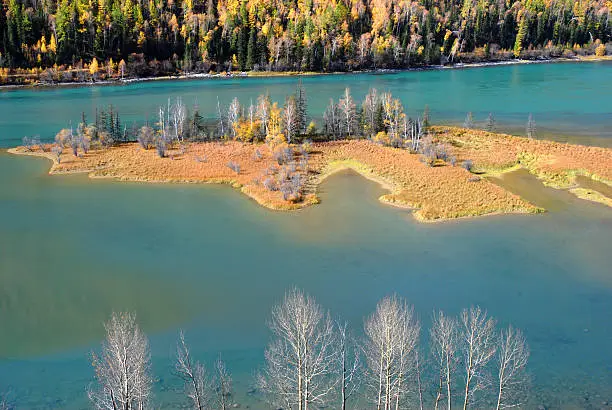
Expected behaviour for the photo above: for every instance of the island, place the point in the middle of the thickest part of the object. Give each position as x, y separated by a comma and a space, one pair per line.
436, 191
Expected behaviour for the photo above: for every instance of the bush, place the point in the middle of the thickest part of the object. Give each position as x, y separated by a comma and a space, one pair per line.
468, 165
234, 166
600, 51
146, 137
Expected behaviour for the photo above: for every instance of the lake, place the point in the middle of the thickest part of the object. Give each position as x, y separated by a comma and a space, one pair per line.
569, 101
209, 260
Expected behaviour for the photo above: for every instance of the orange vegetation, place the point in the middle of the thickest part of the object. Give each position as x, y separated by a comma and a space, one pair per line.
557, 164
437, 193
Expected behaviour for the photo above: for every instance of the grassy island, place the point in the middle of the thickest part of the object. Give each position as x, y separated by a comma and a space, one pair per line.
436, 191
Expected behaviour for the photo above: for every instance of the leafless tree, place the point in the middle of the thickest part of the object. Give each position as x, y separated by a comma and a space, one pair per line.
196, 383
477, 333
178, 115
392, 334
443, 339
290, 118
346, 105
369, 108
350, 364
146, 137
300, 361
57, 150
469, 121
220, 119
331, 120
123, 366
233, 115
262, 112
531, 126
512, 356
223, 385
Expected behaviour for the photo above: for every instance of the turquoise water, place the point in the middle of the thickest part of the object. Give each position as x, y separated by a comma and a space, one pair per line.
211, 261
569, 101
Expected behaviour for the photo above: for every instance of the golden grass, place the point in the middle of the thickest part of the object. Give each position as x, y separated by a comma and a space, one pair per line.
436, 193
590, 195
556, 164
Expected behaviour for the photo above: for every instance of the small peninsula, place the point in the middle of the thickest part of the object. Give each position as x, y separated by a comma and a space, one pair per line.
437, 191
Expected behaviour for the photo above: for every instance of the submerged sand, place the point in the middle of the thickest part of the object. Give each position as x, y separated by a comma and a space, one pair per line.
435, 193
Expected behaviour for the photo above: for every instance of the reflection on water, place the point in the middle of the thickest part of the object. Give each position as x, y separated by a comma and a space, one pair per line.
206, 259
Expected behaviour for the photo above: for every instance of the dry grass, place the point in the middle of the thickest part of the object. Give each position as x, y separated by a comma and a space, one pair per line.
557, 164
436, 193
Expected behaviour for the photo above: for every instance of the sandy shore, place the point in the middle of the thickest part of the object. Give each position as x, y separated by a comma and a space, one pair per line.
435, 193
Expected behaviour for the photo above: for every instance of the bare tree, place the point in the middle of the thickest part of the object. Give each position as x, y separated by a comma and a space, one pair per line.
290, 118
331, 120
531, 126
233, 115
178, 115
392, 334
477, 332
369, 109
346, 105
123, 366
196, 384
262, 112
223, 385
469, 121
443, 335
512, 357
490, 125
220, 119
300, 361
350, 364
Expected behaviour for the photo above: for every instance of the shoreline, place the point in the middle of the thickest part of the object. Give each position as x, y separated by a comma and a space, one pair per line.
273, 74
435, 193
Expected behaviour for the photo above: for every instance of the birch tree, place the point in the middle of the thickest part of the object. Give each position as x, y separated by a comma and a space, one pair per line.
349, 362
195, 382
369, 108
477, 332
331, 119
443, 339
233, 115
123, 366
531, 126
223, 385
178, 115
290, 118
392, 334
300, 360
512, 357
262, 112
346, 106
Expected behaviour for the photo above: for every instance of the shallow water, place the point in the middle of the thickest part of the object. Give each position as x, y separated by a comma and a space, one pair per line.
211, 261
570, 101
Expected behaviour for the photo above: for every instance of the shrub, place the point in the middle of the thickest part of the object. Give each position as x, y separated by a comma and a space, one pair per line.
234, 166
468, 165
146, 137
57, 152
600, 51
161, 146
257, 155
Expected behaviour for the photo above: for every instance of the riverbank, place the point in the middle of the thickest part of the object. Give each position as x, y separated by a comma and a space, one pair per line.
436, 193
274, 74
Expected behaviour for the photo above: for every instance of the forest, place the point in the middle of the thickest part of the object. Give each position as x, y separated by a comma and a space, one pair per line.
78, 40
314, 361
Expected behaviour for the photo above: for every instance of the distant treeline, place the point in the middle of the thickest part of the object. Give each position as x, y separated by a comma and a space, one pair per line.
313, 361
143, 38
